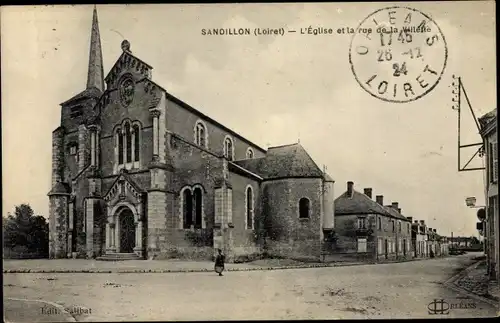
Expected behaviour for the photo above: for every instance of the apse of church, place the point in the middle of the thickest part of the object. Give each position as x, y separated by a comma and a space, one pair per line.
139, 174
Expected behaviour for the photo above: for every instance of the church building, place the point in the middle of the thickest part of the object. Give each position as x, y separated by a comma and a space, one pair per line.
139, 174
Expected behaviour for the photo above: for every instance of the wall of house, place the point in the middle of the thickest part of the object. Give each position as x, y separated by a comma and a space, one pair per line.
399, 244
182, 122
286, 234
246, 244
347, 237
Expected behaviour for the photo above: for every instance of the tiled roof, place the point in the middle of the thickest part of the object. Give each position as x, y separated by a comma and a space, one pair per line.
283, 162
359, 203
87, 93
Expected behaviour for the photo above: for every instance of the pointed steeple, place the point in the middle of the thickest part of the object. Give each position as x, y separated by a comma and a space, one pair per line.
95, 77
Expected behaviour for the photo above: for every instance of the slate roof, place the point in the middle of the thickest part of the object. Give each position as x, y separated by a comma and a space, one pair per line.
60, 188
87, 93
283, 162
359, 203
395, 213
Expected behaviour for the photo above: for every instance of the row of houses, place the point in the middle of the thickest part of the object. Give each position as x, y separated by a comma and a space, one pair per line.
368, 229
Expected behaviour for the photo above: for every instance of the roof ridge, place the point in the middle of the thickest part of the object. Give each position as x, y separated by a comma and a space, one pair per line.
281, 146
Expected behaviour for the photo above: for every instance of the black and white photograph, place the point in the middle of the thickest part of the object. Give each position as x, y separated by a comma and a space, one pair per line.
249, 161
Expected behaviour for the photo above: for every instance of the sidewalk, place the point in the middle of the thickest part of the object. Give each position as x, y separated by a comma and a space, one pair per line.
475, 280
150, 266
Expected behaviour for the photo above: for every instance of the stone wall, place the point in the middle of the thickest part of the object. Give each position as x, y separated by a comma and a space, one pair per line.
246, 242
286, 234
182, 121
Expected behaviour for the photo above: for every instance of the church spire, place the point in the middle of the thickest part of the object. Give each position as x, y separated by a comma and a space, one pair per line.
95, 77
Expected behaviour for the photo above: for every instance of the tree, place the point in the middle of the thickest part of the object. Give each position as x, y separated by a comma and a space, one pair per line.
27, 230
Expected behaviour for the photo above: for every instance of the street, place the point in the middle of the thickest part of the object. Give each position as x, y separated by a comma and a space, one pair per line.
397, 290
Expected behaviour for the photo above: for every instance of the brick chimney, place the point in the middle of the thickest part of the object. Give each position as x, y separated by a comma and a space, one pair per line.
395, 205
399, 210
368, 192
430, 229
350, 186
435, 231
416, 221
422, 222
380, 199
410, 218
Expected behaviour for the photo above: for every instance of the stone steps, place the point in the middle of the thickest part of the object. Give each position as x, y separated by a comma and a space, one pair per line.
119, 257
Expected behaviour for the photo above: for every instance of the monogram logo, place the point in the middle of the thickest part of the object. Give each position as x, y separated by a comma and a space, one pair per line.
438, 306
127, 89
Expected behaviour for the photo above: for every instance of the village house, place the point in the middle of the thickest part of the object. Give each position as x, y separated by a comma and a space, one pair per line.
368, 230
419, 239
489, 133
433, 243
137, 173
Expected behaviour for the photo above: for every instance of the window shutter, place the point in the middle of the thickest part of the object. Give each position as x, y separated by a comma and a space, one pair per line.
495, 162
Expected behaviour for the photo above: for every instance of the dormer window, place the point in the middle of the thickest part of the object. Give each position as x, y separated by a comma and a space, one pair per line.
249, 154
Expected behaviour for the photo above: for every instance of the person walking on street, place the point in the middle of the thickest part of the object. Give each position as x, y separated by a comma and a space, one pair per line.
219, 262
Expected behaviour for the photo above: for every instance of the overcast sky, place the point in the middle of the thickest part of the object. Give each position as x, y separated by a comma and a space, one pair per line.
272, 90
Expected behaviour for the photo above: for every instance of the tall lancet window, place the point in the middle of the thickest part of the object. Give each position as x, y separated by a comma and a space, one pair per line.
200, 134
128, 139
228, 148
136, 142
120, 147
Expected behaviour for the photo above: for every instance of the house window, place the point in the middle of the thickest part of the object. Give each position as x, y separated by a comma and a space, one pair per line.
399, 226
198, 207
249, 153
408, 227
379, 222
249, 208
200, 134
393, 226
228, 148
304, 208
361, 223
362, 244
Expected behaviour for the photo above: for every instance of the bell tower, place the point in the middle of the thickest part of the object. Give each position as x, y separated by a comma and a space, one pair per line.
72, 151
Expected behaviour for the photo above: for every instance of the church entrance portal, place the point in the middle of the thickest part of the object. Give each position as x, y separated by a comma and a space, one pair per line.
127, 231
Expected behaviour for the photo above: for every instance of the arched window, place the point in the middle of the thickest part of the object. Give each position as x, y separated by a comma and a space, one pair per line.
304, 208
128, 142
136, 142
249, 208
187, 209
120, 147
228, 148
198, 207
249, 153
200, 134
